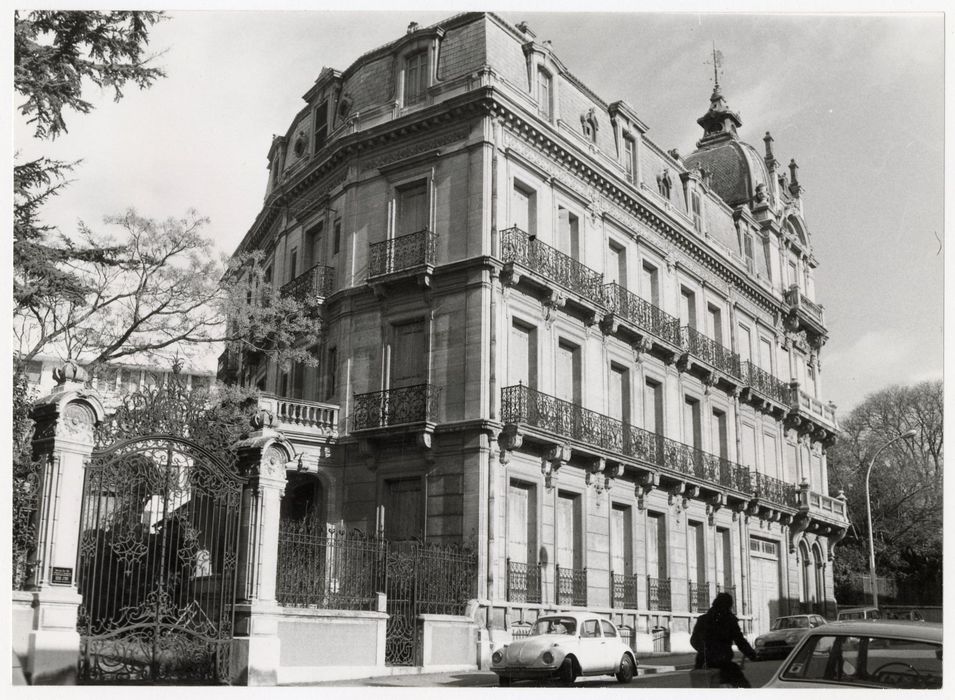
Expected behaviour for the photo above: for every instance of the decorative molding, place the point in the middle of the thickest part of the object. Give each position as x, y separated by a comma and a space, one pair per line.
416, 148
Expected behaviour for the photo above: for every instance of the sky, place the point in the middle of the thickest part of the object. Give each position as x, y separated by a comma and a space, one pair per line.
856, 99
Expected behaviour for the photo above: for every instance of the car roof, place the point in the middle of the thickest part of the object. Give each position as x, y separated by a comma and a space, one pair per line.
576, 614
852, 610
922, 631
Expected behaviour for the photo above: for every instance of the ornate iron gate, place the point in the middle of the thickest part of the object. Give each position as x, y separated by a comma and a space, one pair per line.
157, 563
423, 579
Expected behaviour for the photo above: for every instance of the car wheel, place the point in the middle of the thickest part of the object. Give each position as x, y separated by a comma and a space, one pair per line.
504, 681
567, 674
625, 674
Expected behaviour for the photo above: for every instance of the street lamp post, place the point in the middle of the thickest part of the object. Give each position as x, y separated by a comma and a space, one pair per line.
907, 435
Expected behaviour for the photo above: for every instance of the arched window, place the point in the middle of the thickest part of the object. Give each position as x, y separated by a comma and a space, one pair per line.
819, 576
805, 578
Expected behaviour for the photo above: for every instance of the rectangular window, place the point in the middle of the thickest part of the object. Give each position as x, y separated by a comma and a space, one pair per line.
568, 372
337, 237
744, 343
719, 434
653, 407
522, 523
544, 94
321, 125
650, 284
656, 545
714, 318
331, 369
408, 359
568, 531
416, 77
768, 259
697, 206
724, 558
749, 446
770, 459
315, 248
619, 393
621, 542
695, 558
293, 264
629, 158
522, 355
748, 249
524, 208
765, 355
568, 233
404, 510
412, 208
617, 264
692, 434
687, 307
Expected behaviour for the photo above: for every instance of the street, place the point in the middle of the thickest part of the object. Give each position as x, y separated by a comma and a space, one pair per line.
758, 673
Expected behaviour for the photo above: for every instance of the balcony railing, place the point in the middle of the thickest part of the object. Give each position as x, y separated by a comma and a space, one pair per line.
711, 352
523, 582
623, 590
827, 505
814, 407
571, 586
798, 300
698, 595
518, 247
765, 383
317, 281
769, 488
521, 404
658, 594
402, 253
381, 409
641, 313
298, 413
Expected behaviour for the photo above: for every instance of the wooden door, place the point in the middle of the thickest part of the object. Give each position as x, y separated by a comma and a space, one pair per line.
409, 356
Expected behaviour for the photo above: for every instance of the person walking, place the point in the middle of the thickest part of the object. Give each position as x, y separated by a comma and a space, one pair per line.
713, 637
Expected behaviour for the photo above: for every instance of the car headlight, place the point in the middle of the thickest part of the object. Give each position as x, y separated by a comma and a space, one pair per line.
497, 657
759, 642
547, 658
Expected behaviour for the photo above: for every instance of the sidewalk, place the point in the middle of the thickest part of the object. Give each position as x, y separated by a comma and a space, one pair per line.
663, 662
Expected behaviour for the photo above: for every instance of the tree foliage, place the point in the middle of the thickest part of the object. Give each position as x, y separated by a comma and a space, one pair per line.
163, 297
905, 485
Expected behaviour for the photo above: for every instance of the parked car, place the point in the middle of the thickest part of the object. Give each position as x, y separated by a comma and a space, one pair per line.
565, 646
865, 654
784, 634
869, 613
911, 615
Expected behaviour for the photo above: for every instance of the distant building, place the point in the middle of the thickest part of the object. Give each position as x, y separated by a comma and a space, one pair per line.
596, 360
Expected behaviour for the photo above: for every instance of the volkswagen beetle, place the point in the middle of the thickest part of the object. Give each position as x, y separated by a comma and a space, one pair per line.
565, 646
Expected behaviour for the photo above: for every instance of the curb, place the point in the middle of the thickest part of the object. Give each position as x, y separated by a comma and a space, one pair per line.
647, 670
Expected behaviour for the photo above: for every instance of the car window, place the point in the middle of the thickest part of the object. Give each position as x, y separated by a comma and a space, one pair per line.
609, 629
867, 661
591, 628
554, 625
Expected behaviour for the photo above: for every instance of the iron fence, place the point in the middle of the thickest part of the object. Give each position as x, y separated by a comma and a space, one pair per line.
769, 488
698, 595
571, 586
642, 313
409, 404
316, 281
518, 247
521, 404
405, 252
523, 582
766, 383
623, 591
711, 352
322, 567
658, 594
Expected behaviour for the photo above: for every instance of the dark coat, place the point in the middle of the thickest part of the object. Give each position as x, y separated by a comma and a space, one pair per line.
713, 637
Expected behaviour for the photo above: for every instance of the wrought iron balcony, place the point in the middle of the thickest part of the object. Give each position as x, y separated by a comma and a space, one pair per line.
571, 586
523, 405
541, 259
623, 591
627, 306
804, 308
317, 281
300, 417
765, 383
523, 582
698, 596
711, 352
400, 406
404, 253
769, 488
658, 594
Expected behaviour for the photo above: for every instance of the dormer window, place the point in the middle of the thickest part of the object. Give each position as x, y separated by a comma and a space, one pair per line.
629, 158
664, 184
416, 77
697, 207
321, 125
544, 96
588, 123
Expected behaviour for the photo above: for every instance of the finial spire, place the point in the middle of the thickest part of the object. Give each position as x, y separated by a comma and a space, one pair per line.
717, 64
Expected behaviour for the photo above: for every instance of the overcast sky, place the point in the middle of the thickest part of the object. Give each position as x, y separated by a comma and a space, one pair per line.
856, 100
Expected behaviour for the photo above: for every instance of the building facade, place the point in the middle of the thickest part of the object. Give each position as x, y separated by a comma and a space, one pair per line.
594, 360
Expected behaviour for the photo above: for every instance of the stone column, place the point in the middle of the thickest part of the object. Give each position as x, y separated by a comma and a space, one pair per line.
256, 647
63, 442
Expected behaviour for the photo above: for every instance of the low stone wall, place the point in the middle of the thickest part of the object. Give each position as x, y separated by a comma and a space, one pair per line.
323, 645
448, 641
21, 622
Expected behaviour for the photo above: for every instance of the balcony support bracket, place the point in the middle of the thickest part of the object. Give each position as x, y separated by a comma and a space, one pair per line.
509, 440
799, 524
